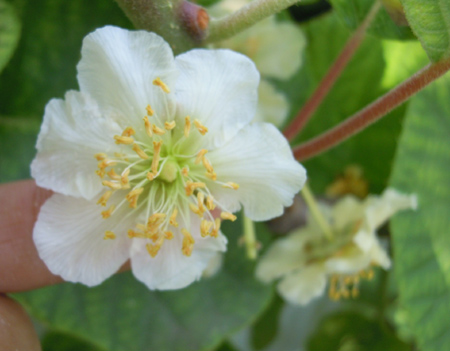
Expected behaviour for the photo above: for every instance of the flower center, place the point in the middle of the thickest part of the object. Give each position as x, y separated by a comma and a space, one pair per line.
154, 176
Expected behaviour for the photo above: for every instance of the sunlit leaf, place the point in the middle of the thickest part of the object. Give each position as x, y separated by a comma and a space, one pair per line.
9, 32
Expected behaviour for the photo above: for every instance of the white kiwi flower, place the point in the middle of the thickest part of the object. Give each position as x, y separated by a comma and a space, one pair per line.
150, 156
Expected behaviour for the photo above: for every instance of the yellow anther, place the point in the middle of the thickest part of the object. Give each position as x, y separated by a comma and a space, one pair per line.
140, 152
210, 203
185, 171
155, 219
201, 128
121, 155
231, 185
168, 235
150, 176
123, 140
100, 156
133, 195
207, 165
173, 218
129, 131
109, 235
155, 161
153, 249
200, 155
201, 201
100, 173
106, 163
212, 175
113, 175
157, 130
215, 231
195, 209
228, 215
124, 178
133, 234
108, 212
205, 226
105, 197
170, 125
187, 126
150, 111
148, 127
191, 186
112, 185
188, 243
158, 82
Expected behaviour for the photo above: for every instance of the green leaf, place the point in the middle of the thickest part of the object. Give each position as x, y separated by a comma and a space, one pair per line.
122, 314
9, 32
421, 240
430, 21
54, 341
353, 12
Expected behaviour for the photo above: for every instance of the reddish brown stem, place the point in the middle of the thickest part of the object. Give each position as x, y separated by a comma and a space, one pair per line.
372, 112
330, 78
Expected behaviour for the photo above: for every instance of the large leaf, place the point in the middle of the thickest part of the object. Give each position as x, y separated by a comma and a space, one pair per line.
421, 239
122, 314
430, 21
9, 32
353, 12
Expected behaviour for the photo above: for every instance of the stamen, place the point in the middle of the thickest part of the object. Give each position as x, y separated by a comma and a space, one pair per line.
109, 235
228, 215
201, 128
155, 161
153, 249
123, 140
100, 173
140, 152
210, 203
195, 209
200, 202
231, 185
148, 126
129, 131
168, 235
207, 165
170, 125
113, 175
200, 155
212, 176
105, 197
158, 82
188, 243
150, 111
191, 186
205, 226
133, 195
100, 156
187, 126
157, 130
150, 176
124, 179
108, 212
112, 185
185, 171
173, 218
106, 163
215, 231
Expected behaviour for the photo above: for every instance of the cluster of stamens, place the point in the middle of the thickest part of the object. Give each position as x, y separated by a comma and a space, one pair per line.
347, 285
153, 169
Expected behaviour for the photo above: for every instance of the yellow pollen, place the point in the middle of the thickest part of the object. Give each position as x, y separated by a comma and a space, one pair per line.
205, 226
215, 231
185, 171
129, 131
195, 209
113, 175
112, 185
109, 235
123, 140
133, 234
155, 219
168, 235
212, 176
201, 128
105, 197
228, 215
140, 152
150, 176
170, 125
153, 248
173, 218
188, 243
100, 173
155, 161
100, 156
187, 126
200, 155
133, 195
200, 202
106, 163
210, 203
157, 130
207, 165
124, 178
231, 185
108, 212
191, 186
158, 82
148, 127
150, 111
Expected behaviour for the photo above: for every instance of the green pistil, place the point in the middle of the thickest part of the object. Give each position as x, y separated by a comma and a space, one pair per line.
169, 171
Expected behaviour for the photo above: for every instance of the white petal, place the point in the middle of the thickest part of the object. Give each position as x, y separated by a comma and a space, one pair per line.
170, 269
304, 285
214, 265
273, 106
260, 160
346, 212
69, 238
118, 68
352, 262
218, 87
73, 131
283, 257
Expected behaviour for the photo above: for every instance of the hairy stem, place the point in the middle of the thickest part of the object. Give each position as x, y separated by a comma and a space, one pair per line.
244, 18
372, 112
332, 75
